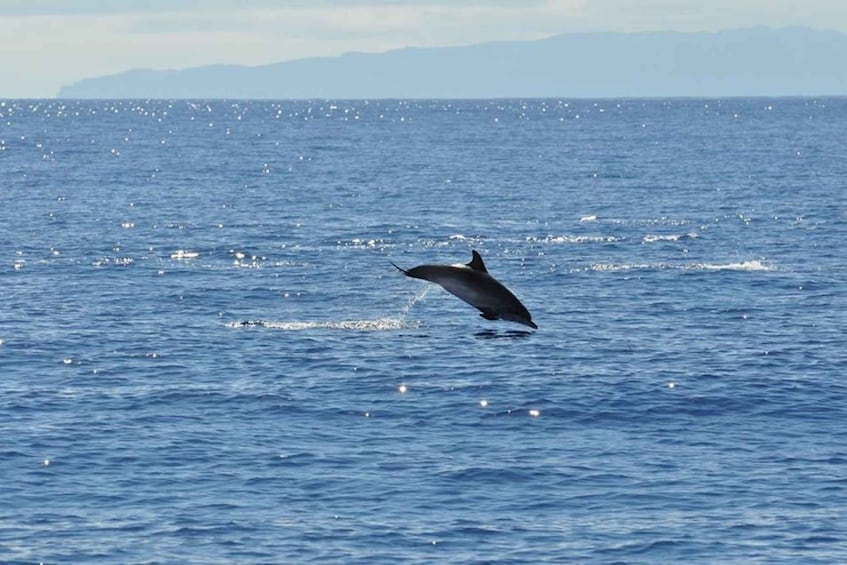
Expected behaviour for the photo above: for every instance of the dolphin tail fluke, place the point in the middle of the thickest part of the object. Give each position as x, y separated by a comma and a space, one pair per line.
401, 269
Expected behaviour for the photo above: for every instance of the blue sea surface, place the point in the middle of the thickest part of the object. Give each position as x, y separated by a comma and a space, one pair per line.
206, 355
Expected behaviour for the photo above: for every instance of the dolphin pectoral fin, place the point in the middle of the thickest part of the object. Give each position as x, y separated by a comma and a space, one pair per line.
489, 314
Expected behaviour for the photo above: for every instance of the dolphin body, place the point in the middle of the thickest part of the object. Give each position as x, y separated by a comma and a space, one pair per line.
474, 285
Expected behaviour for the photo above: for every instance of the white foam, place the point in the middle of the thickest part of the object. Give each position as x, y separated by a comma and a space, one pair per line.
612, 267
752, 265
565, 239
653, 238
182, 254
366, 243
118, 261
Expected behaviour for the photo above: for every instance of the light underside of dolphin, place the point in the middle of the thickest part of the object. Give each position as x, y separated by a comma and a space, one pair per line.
474, 285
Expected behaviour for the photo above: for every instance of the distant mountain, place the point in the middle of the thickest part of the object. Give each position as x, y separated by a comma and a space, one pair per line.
746, 62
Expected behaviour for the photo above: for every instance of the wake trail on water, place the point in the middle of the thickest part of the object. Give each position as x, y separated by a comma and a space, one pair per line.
385, 323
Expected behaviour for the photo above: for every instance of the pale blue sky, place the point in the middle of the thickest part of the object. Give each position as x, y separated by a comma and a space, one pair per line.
47, 43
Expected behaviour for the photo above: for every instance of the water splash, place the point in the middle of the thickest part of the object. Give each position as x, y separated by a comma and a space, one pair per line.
417, 297
377, 324
386, 323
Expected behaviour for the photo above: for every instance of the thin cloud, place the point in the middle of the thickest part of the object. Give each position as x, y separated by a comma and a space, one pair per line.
112, 7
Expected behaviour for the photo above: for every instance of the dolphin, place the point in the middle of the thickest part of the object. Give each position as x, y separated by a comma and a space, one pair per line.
474, 285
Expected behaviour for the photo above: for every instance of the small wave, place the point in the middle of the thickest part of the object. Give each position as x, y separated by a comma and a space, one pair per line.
378, 324
585, 219
505, 334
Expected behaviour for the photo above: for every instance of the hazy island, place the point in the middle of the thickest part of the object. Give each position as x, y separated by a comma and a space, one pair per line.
746, 62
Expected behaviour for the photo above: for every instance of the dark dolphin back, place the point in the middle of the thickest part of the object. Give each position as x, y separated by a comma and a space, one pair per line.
430, 272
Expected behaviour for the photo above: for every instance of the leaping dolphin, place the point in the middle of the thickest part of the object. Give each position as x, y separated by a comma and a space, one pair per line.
474, 285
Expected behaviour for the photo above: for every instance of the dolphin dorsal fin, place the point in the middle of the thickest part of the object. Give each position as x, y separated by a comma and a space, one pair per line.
476, 263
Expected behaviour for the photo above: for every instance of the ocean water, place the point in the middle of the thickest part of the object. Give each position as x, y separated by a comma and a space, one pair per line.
207, 357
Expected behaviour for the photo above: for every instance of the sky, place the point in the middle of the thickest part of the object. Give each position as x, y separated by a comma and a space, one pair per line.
45, 44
